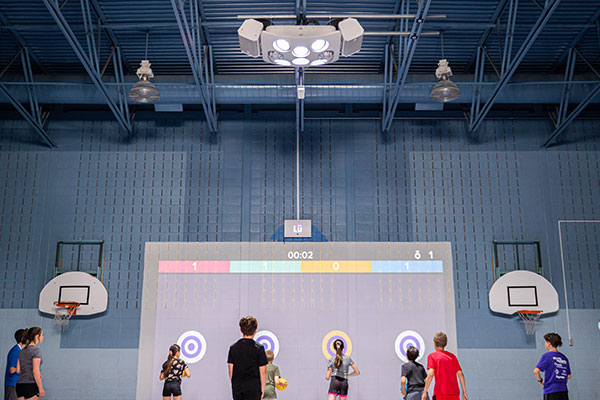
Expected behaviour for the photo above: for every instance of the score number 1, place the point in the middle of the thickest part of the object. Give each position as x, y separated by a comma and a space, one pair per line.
418, 255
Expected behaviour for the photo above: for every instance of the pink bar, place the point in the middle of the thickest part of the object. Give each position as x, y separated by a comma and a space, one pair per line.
193, 267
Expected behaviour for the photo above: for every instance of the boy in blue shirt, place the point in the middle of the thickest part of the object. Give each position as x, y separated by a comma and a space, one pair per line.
556, 369
11, 376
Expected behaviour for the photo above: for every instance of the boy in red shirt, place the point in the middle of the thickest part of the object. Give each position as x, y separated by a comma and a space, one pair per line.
443, 366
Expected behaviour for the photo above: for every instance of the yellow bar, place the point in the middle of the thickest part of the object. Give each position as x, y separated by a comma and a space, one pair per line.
336, 267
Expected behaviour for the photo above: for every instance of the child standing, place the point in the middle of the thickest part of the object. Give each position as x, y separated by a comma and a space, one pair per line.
443, 366
172, 371
247, 363
272, 377
11, 376
337, 371
29, 384
414, 374
556, 369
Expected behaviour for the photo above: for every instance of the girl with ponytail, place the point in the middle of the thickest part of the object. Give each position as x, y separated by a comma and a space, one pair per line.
29, 385
337, 371
172, 371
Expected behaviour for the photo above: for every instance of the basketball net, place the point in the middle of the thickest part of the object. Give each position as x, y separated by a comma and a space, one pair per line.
529, 319
63, 312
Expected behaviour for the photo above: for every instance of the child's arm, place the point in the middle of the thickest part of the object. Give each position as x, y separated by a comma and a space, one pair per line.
17, 370
276, 380
403, 385
230, 366
355, 372
186, 372
328, 374
263, 379
461, 378
536, 372
162, 376
428, 381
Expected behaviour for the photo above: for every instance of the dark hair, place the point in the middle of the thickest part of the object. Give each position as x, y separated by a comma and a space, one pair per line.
166, 367
32, 333
20, 335
412, 353
440, 339
248, 325
554, 339
339, 352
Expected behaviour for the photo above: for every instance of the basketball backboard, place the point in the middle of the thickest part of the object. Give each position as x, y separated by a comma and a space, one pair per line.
522, 290
78, 287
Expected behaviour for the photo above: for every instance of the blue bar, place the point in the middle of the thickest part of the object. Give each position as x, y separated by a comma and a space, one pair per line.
407, 267
265, 267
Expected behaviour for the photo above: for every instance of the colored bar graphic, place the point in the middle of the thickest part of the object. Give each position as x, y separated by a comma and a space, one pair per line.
408, 267
336, 267
193, 267
265, 267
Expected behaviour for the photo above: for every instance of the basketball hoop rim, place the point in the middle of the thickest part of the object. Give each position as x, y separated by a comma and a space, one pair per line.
534, 312
70, 306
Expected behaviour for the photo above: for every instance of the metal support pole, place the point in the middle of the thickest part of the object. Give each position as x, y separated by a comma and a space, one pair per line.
510, 32
88, 24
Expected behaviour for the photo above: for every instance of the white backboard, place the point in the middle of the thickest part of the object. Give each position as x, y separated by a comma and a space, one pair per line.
75, 286
522, 290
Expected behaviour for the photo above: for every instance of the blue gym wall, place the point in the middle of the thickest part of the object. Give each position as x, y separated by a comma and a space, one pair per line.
425, 181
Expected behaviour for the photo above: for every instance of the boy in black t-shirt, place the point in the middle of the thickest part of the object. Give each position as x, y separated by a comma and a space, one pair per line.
247, 364
415, 374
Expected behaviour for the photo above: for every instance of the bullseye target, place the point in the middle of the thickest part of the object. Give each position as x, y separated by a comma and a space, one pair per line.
327, 344
407, 339
193, 346
269, 341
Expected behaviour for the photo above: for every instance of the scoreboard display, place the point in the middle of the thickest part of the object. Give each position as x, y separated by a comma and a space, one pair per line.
379, 298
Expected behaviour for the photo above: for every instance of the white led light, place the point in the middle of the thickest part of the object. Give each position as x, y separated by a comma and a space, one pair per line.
319, 45
281, 61
319, 61
300, 61
281, 45
300, 51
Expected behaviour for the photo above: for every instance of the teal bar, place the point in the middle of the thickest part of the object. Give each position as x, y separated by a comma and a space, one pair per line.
407, 267
265, 267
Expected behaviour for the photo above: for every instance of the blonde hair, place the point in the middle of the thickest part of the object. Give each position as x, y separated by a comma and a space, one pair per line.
270, 355
440, 339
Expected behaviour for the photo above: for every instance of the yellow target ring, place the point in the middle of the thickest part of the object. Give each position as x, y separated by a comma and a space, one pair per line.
327, 344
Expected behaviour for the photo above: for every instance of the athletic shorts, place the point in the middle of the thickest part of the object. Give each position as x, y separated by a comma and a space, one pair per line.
338, 386
27, 390
172, 388
247, 395
10, 393
557, 396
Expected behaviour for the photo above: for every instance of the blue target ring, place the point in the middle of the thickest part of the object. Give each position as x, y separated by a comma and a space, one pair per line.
407, 339
193, 346
268, 340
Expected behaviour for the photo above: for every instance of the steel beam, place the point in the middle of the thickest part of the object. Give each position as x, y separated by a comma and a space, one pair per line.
405, 55
537, 28
21, 41
563, 120
193, 49
123, 120
577, 39
33, 116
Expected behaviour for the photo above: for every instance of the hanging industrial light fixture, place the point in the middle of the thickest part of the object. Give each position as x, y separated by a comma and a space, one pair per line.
144, 91
445, 90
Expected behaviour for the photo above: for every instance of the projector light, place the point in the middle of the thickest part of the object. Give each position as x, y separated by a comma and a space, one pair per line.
282, 62
300, 51
319, 45
318, 61
281, 45
300, 61
328, 55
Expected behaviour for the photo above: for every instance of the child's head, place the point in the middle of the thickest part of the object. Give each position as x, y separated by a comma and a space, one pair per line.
412, 353
174, 351
553, 339
440, 340
270, 356
20, 336
248, 325
35, 335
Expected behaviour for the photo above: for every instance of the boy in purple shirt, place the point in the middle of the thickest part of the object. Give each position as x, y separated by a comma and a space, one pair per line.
556, 369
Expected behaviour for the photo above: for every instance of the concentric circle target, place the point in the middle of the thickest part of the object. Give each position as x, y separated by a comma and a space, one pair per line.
269, 341
327, 344
193, 346
407, 339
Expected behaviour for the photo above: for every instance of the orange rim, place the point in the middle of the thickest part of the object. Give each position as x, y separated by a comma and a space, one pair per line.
71, 306
530, 312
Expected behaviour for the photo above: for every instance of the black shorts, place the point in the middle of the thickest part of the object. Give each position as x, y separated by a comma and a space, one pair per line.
172, 388
27, 390
338, 386
557, 396
247, 395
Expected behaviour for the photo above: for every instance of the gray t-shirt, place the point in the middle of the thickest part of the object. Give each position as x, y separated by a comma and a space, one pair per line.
26, 357
342, 370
